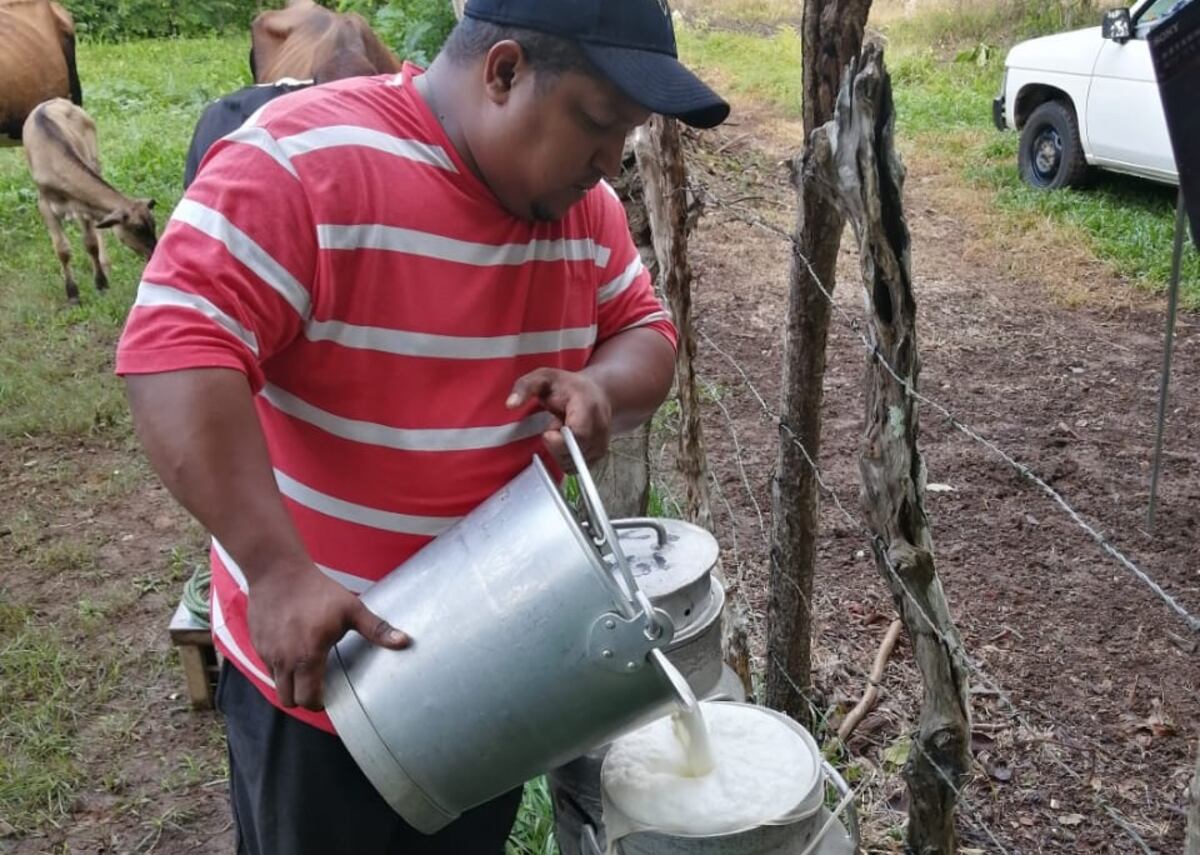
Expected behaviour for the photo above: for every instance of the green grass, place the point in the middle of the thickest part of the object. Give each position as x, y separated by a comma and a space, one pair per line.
765, 67
946, 68
943, 107
42, 676
56, 361
952, 24
533, 833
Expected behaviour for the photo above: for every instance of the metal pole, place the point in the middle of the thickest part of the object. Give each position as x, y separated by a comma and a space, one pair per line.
1172, 304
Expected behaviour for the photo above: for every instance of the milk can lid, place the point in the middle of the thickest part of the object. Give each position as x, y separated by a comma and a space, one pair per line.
662, 566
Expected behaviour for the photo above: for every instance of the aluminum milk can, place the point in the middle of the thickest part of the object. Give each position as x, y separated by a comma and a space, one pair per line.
533, 644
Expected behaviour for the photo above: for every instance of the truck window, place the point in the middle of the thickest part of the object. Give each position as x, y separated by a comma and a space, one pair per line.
1156, 10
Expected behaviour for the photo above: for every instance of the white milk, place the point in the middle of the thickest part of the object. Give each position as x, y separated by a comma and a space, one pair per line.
691, 731
762, 771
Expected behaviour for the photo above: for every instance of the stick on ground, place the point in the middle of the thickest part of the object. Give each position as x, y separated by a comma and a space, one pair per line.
871, 695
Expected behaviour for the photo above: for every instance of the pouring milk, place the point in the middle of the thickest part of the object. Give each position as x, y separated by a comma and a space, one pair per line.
708, 769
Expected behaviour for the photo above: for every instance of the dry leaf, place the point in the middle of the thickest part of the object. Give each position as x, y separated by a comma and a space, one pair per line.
1000, 771
1071, 819
1144, 731
896, 754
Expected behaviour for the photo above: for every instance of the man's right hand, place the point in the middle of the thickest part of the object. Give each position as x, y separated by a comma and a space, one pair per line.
296, 616
202, 436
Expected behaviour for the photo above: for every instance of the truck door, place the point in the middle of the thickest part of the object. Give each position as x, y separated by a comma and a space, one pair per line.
1125, 122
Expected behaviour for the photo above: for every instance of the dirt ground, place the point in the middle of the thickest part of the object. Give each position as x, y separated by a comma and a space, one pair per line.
1105, 677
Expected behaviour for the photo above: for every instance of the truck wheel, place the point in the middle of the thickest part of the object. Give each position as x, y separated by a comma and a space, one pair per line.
1051, 155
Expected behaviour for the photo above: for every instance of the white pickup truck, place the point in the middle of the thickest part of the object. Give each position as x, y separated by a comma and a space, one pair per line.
1088, 98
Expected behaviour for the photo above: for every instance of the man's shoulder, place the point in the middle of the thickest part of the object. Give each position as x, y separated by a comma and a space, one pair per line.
376, 102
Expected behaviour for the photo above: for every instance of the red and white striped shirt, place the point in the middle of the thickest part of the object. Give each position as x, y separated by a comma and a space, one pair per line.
338, 251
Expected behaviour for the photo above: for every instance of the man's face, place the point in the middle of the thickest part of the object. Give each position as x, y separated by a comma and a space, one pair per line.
545, 143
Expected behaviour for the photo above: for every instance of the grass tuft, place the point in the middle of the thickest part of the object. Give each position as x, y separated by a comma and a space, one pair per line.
763, 67
533, 833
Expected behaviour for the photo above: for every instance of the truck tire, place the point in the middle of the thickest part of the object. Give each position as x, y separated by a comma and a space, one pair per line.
1051, 155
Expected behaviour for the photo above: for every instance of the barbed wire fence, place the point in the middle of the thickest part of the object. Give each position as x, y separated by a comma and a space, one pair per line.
1021, 713
1192, 620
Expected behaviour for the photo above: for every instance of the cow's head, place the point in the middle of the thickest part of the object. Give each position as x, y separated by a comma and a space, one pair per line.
134, 224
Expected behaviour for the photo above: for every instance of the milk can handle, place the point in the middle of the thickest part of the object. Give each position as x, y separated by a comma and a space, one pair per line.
843, 790
637, 601
643, 522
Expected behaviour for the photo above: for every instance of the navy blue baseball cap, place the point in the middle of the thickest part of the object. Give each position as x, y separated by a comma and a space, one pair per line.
630, 42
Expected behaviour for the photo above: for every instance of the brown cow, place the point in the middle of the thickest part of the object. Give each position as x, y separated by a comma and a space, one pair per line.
60, 144
305, 41
37, 61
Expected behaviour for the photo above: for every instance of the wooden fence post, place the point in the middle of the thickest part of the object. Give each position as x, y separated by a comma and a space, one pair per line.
659, 151
854, 159
832, 32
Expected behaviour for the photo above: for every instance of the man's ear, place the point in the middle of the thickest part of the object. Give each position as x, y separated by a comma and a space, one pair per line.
501, 68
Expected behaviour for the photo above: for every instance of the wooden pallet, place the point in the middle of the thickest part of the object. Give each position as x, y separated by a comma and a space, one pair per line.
198, 656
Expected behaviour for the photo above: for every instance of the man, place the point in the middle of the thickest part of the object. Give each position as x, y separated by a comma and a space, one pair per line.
376, 302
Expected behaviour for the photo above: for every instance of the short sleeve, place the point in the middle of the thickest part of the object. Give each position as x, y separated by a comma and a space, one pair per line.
231, 280
625, 298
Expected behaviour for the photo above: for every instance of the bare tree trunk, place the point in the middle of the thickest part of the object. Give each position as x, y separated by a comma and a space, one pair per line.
854, 159
1192, 847
659, 152
623, 476
458, 6
832, 35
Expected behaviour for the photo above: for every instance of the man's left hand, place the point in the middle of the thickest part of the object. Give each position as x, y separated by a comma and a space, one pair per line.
574, 400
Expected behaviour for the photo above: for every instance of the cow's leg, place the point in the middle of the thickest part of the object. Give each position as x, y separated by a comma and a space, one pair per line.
93, 241
61, 246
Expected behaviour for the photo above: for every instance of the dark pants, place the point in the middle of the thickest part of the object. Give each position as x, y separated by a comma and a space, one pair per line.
296, 790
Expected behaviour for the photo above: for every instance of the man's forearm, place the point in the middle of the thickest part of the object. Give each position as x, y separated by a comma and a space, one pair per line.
202, 436
635, 369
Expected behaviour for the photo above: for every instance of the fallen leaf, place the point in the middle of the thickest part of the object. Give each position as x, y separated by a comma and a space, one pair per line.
1071, 819
1144, 731
981, 742
1000, 771
896, 754
940, 488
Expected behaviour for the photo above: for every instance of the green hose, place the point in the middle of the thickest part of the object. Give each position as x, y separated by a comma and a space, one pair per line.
195, 593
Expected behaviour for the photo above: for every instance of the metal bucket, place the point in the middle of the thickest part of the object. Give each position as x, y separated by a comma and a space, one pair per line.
533, 644
809, 831
788, 840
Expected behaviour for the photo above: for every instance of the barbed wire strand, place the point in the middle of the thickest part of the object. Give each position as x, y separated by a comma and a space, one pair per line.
737, 447
953, 645
732, 528
1192, 621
